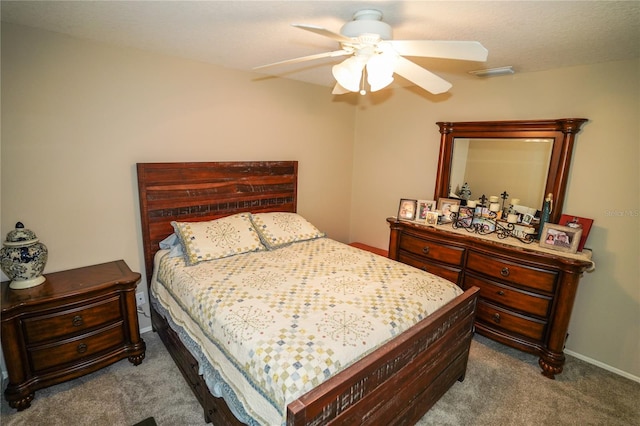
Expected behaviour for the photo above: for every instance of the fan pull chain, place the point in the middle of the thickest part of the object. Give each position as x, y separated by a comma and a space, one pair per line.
362, 90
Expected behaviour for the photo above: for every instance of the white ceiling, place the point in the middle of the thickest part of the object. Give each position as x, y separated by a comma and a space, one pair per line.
528, 35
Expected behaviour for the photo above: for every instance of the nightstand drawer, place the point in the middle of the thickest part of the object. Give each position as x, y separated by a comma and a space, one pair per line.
539, 279
494, 316
509, 297
57, 354
72, 321
432, 250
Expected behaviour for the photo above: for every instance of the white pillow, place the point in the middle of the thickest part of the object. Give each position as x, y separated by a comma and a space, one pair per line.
279, 228
218, 238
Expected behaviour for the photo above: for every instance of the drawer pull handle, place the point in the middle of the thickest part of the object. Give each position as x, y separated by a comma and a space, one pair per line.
77, 321
496, 318
425, 249
504, 272
82, 348
500, 293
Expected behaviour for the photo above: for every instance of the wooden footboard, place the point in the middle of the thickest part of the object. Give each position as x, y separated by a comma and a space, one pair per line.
395, 385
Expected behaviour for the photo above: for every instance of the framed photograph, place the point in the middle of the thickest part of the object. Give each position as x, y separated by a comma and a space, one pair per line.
431, 218
444, 205
527, 219
560, 238
465, 216
425, 206
578, 222
407, 209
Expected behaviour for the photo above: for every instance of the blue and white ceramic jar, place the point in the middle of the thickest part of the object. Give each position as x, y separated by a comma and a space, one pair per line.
23, 258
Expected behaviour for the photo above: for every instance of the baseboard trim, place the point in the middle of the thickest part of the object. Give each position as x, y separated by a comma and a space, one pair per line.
146, 329
603, 365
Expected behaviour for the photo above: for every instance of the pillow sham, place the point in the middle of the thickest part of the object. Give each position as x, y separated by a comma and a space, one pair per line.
278, 229
218, 238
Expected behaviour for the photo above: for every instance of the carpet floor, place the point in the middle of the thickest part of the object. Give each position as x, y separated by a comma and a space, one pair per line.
503, 386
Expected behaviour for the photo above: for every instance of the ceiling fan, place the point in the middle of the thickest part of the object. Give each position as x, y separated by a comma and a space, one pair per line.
367, 40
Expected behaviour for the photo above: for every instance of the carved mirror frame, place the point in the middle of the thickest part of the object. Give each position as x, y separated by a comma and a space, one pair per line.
562, 131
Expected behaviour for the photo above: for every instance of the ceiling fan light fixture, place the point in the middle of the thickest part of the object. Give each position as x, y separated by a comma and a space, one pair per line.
348, 73
493, 72
380, 69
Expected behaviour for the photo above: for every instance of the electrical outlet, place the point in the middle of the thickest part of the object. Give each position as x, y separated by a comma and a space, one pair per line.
140, 299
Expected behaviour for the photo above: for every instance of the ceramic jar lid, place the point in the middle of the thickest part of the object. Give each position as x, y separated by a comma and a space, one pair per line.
20, 237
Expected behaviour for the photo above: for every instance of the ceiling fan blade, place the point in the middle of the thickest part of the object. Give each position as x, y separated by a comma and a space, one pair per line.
324, 32
339, 90
464, 50
421, 77
306, 58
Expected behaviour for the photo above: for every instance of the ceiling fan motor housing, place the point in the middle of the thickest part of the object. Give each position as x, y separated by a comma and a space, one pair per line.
368, 21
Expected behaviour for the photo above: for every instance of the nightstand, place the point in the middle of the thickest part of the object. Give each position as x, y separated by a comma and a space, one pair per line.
75, 323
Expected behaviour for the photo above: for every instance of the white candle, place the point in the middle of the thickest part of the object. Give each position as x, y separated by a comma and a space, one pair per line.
528, 230
494, 207
515, 201
455, 208
493, 199
512, 218
471, 203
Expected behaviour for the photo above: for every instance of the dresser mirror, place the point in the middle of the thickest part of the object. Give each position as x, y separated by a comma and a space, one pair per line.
525, 159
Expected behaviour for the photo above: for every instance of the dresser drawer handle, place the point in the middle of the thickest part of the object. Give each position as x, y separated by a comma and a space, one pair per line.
77, 321
504, 272
425, 249
82, 348
500, 293
496, 318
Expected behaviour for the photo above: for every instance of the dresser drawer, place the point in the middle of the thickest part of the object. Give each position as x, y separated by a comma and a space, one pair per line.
451, 274
72, 321
496, 317
538, 279
510, 297
432, 250
69, 351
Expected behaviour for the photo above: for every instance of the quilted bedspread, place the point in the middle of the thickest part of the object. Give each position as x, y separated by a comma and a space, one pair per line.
275, 324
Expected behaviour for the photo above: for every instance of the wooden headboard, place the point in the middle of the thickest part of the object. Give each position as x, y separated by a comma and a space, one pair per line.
205, 191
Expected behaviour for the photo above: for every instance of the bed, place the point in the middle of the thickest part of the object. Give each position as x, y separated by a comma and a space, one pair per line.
395, 383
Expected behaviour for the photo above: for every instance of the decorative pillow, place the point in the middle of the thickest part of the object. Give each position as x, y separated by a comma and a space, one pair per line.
279, 229
218, 238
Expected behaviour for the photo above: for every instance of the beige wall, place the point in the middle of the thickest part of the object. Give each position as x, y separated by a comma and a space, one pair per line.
396, 151
77, 116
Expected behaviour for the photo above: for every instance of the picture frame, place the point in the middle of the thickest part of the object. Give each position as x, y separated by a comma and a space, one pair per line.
560, 238
465, 216
431, 218
425, 206
407, 209
569, 220
527, 219
444, 205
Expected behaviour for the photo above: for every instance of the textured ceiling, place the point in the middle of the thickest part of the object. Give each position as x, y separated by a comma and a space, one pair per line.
528, 35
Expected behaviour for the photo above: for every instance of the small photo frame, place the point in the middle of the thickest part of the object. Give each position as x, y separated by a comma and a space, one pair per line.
527, 219
425, 206
444, 205
577, 222
407, 209
560, 238
431, 218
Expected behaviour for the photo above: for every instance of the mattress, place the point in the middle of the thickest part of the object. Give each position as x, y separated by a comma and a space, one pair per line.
269, 326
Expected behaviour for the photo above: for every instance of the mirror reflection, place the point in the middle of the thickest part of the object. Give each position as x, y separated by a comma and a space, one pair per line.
492, 166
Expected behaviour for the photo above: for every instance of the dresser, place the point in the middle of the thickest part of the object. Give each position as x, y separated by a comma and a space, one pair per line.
76, 322
526, 292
